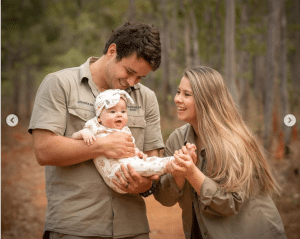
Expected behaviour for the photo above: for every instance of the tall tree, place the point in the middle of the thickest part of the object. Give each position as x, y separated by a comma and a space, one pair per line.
131, 14
295, 54
165, 57
244, 62
230, 67
270, 82
284, 98
195, 43
218, 64
187, 37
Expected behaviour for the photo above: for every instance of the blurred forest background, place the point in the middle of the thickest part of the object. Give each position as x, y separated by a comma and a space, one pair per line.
254, 44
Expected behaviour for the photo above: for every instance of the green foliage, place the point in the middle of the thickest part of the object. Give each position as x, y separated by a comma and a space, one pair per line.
51, 35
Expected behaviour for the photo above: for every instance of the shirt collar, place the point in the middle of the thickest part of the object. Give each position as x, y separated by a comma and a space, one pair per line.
85, 73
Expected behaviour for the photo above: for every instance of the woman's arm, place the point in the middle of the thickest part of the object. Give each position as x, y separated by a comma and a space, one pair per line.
169, 187
217, 202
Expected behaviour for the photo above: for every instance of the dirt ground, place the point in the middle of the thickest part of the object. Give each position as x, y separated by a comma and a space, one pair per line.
23, 200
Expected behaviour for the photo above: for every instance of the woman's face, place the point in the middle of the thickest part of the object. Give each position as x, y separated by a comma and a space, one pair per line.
184, 100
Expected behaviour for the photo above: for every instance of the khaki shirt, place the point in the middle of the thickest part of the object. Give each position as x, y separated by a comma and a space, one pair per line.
219, 214
79, 201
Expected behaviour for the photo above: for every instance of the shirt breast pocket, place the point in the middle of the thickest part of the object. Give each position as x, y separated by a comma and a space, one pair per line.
77, 118
137, 125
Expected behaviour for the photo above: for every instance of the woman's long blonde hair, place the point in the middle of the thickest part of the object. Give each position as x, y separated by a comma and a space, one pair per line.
235, 158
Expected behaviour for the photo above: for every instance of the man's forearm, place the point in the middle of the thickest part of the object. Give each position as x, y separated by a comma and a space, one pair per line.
52, 149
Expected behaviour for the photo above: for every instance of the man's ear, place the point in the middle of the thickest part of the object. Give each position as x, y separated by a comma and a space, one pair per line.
112, 50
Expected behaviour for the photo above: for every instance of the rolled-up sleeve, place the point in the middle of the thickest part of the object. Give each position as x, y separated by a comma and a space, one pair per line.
167, 192
217, 202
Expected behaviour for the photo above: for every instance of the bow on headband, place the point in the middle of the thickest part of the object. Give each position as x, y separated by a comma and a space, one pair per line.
110, 98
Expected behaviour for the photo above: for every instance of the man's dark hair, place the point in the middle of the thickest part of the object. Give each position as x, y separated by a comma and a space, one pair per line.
138, 38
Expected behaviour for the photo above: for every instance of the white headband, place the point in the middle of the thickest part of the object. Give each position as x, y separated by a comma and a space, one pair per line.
110, 98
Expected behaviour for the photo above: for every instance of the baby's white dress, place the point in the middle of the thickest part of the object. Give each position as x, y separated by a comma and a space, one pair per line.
108, 167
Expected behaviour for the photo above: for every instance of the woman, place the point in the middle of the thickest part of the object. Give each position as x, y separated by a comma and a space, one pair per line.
223, 188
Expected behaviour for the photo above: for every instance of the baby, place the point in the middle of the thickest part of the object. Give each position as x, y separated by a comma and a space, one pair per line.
111, 116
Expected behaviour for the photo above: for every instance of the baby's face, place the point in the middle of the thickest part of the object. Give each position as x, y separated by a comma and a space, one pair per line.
114, 117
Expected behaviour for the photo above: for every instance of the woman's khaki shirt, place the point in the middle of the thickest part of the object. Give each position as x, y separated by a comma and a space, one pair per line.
219, 214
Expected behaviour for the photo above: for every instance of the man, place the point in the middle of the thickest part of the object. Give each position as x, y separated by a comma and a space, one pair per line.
80, 204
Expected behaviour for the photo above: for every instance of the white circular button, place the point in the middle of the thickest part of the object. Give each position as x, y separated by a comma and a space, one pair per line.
289, 120
12, 120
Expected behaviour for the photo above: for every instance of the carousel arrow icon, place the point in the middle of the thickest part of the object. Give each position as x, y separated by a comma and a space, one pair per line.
12, 120
289, 120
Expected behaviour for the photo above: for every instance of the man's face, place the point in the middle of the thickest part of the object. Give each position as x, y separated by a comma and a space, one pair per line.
114, 117
126, 72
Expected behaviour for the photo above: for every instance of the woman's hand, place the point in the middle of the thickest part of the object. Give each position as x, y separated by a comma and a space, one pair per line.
185, 160
183, 165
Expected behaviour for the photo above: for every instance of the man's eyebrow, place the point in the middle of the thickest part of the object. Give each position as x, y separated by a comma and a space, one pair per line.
132, 71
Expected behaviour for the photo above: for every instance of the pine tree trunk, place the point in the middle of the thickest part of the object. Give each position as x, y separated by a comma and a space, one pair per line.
187, 40
230, 49
244, 65
271, 72
285, 106
295, 58
131, 11
196, 60
165, 57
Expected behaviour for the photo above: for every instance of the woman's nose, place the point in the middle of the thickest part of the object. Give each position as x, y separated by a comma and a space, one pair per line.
177, 98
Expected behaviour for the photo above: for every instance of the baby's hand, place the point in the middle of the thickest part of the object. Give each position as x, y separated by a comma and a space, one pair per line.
141, 155
88, 136
191, 149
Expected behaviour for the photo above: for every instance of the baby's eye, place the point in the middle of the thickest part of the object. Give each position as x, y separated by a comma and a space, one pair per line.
112, 111
124, 111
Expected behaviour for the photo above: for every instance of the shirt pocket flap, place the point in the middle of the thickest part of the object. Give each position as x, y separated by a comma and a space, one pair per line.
82, 113
136, 122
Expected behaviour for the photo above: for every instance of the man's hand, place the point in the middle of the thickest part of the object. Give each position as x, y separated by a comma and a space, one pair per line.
133, 182
118, 145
